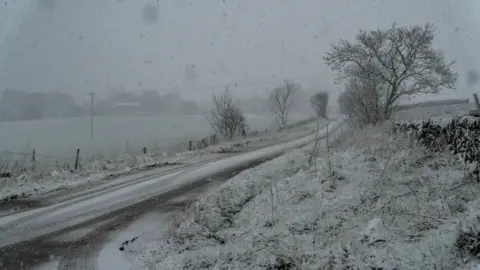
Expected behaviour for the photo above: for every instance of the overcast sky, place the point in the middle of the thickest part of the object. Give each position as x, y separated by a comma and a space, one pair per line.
77, 46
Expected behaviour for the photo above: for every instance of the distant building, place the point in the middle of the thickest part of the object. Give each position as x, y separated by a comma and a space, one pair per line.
146, 103
128, 108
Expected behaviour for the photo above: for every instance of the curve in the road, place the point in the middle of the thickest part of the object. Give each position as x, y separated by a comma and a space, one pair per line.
83, 254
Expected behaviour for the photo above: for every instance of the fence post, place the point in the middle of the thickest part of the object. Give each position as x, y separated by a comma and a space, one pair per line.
144, 150
77, 159
33, 159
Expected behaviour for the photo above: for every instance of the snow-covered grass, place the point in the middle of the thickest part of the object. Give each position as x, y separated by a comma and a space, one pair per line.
375, 201
260, 139
44, 179
22, 179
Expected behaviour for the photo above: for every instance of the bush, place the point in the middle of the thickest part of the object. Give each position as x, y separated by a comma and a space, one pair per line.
319, 102
226, 117
359, 104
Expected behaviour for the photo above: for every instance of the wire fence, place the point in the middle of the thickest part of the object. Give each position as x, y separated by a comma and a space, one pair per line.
15, 163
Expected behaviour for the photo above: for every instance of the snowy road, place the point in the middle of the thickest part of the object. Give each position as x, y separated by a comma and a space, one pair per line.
104, 204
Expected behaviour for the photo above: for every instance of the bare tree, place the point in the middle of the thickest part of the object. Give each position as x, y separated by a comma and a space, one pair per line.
401, 58
225, 116
319, 102
361, 100
281, 101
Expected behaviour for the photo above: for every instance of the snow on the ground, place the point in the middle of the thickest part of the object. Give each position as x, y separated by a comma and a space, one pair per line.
266, 139
48, 179
56, 178
375, 201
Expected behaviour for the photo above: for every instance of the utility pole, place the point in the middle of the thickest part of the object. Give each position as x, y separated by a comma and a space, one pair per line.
477, 103
91, 113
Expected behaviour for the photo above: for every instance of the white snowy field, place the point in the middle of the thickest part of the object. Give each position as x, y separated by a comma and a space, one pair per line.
112, 135
375, 201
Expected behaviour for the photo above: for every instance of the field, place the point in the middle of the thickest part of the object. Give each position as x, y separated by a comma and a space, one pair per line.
112, 135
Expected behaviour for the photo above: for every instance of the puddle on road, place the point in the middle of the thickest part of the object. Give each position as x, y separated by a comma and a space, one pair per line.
111, 257
149, 226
